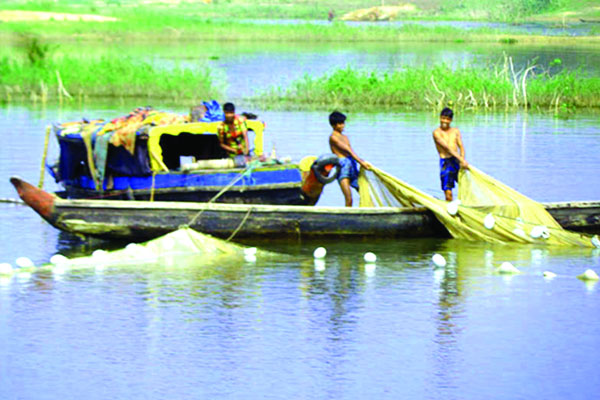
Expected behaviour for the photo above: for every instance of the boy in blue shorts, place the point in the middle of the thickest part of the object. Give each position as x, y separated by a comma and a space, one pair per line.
447, 142
340, 146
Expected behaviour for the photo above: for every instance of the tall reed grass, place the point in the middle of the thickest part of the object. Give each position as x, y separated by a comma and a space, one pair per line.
498, 87
104, 77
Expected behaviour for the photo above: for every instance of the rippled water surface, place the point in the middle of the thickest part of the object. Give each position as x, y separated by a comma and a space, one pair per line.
281, 329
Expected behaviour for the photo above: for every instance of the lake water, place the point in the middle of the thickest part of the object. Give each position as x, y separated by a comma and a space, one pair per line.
546, 29
280, 329
242, 69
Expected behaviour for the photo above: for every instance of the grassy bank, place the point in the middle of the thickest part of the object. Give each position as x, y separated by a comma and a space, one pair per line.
221, 21
206, 30
481, 10
71, 78
499, 87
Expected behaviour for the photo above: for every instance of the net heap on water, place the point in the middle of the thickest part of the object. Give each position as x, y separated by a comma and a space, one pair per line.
486, 209
177, 244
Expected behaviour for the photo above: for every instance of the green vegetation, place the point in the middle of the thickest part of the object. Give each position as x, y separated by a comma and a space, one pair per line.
207, 30
498, 87
45, 79
45, 72
486, 10
506, 11
224, 20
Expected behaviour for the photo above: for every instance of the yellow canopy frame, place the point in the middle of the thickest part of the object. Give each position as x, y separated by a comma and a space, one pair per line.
196, 128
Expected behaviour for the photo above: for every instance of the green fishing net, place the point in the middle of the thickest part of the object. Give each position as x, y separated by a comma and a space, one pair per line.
486, 209
183, 246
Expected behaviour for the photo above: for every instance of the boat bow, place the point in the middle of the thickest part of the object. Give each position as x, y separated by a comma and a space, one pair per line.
42, 202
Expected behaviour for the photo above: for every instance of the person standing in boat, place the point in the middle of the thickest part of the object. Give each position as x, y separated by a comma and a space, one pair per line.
233, 132
340, 146
449, 145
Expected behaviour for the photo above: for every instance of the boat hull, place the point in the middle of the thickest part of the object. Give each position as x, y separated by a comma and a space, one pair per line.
139, 220
118, 220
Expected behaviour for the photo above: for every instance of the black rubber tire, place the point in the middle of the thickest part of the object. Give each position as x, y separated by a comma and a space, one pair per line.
321, 162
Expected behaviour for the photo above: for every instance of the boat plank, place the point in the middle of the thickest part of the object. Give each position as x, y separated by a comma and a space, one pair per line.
139, 220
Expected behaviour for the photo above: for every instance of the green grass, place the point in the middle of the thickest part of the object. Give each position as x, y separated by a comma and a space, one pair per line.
487, 10
221, 22
103, 77
504, 11
424, 87
169, 30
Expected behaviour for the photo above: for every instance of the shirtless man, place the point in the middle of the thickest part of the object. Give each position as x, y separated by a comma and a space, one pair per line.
340, 146
447, 141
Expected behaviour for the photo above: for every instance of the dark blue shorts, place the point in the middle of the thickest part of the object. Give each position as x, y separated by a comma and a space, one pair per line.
449, 168
349, 170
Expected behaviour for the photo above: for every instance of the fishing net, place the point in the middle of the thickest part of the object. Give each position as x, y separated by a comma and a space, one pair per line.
181, 247
486, 209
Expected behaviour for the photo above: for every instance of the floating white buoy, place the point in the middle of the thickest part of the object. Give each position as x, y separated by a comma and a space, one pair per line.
320, 252
489, 221
370, 257
24, 262
596, 241
319, 264
549, 275
138, 251
100, 254
539, 231
545, 233
250, 251
370, 269
438, 260
133, 248
452, 207
6, 269
251, 258
507, 268
519, 232
589, 275
58, 259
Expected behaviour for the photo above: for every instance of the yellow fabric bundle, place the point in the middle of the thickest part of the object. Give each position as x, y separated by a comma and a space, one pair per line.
487, 209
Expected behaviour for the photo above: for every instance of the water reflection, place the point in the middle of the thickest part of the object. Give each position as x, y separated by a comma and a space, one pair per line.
331, 294
323, 327
237, 327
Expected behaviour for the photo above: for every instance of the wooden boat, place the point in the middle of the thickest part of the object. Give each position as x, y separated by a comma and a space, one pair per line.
140, 220
139, 157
